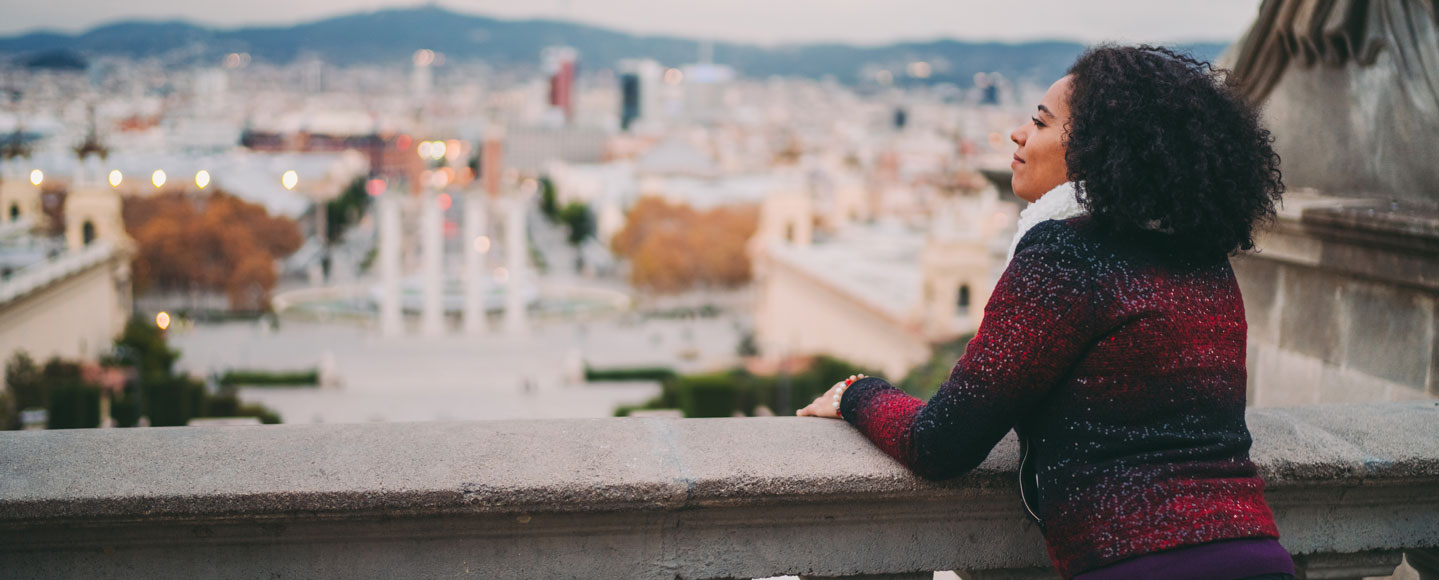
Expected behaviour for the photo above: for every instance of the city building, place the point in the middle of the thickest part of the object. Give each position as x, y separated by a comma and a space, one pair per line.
879, 294
65, 295
559, 63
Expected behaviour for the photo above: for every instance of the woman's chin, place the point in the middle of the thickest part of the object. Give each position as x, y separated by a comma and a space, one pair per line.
1024, 193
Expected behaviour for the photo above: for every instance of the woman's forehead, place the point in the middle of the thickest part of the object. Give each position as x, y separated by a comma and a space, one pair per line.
1056, 99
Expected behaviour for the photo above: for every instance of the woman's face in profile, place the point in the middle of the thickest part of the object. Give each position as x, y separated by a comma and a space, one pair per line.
1039, 162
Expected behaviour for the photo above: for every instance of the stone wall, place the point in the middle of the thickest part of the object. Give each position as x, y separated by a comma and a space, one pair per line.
1352, 487
1343, 303
799, 314
71, 307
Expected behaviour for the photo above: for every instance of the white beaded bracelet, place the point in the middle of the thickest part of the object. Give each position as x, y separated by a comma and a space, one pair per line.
839, 393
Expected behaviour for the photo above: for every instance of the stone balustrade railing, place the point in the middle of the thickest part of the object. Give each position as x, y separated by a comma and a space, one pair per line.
1354, 487
45, 273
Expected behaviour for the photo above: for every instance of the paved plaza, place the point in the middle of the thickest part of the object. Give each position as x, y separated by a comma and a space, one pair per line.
455, 378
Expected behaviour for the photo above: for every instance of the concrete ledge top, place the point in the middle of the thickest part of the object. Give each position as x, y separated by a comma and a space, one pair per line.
1416, 223
589, 465
1395, 219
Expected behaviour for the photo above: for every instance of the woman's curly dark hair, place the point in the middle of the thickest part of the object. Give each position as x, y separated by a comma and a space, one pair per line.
1158, 140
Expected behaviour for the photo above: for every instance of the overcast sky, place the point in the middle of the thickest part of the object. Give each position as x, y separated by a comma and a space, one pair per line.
763, 21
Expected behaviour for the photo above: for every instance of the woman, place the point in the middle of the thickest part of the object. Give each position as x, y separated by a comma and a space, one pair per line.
1114, 343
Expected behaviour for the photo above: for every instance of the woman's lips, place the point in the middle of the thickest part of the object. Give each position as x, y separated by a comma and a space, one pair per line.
1016, 163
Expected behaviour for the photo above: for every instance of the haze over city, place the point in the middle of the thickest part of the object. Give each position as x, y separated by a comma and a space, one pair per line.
758, 21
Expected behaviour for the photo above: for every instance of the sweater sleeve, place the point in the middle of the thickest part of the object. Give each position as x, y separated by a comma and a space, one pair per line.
1038, 323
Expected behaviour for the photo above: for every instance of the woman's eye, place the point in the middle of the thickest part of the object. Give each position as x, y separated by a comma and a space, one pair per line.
1037, 122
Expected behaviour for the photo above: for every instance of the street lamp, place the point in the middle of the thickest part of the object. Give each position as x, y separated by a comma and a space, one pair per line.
290, 179
158, 178
116, 177
36, 177
435, 150
202, 178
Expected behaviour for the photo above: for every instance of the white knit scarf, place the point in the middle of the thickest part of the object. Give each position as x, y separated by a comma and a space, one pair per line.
1056, 204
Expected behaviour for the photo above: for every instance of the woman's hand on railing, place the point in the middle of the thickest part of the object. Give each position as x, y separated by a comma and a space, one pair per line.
827, 405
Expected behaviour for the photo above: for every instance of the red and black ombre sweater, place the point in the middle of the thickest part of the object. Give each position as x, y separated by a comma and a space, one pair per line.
1122, 371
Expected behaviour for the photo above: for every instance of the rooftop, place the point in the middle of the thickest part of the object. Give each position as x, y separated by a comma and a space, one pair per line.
877, 265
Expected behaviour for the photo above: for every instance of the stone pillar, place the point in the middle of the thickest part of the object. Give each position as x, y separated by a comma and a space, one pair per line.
1340, 302
476, 246
106, 421
516, 248
318, 275
391, 321
492, 157
432, 259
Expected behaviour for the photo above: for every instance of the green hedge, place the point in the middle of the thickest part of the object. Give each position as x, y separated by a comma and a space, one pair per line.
166, 398
629, 374
172, 403
74, 405
253, 378
125, 409
721, 394
176, 402
711, 395
924, 380
226, 404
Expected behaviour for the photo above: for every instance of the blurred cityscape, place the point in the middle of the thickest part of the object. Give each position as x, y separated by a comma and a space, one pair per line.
469, 218
444, 238
417, 215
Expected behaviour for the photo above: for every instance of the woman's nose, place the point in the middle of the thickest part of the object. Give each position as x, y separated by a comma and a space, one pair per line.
1017, 136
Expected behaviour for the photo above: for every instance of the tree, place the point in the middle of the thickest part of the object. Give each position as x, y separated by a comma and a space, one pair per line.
72, 397
674, 248
170, 399
549, 205
719, 244
345, 211
581, 222
23, 381
649, 215
217, 243
146, 347
664, 264
74, 403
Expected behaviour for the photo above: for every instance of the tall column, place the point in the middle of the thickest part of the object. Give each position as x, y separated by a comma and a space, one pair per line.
432, 259
515, 259
318, 274
476, 247
492, 157
391, 321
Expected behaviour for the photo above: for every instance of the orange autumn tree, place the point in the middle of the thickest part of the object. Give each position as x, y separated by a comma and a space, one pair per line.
673, 247
216, 243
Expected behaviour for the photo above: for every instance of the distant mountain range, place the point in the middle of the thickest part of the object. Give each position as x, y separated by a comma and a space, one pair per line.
392, 36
